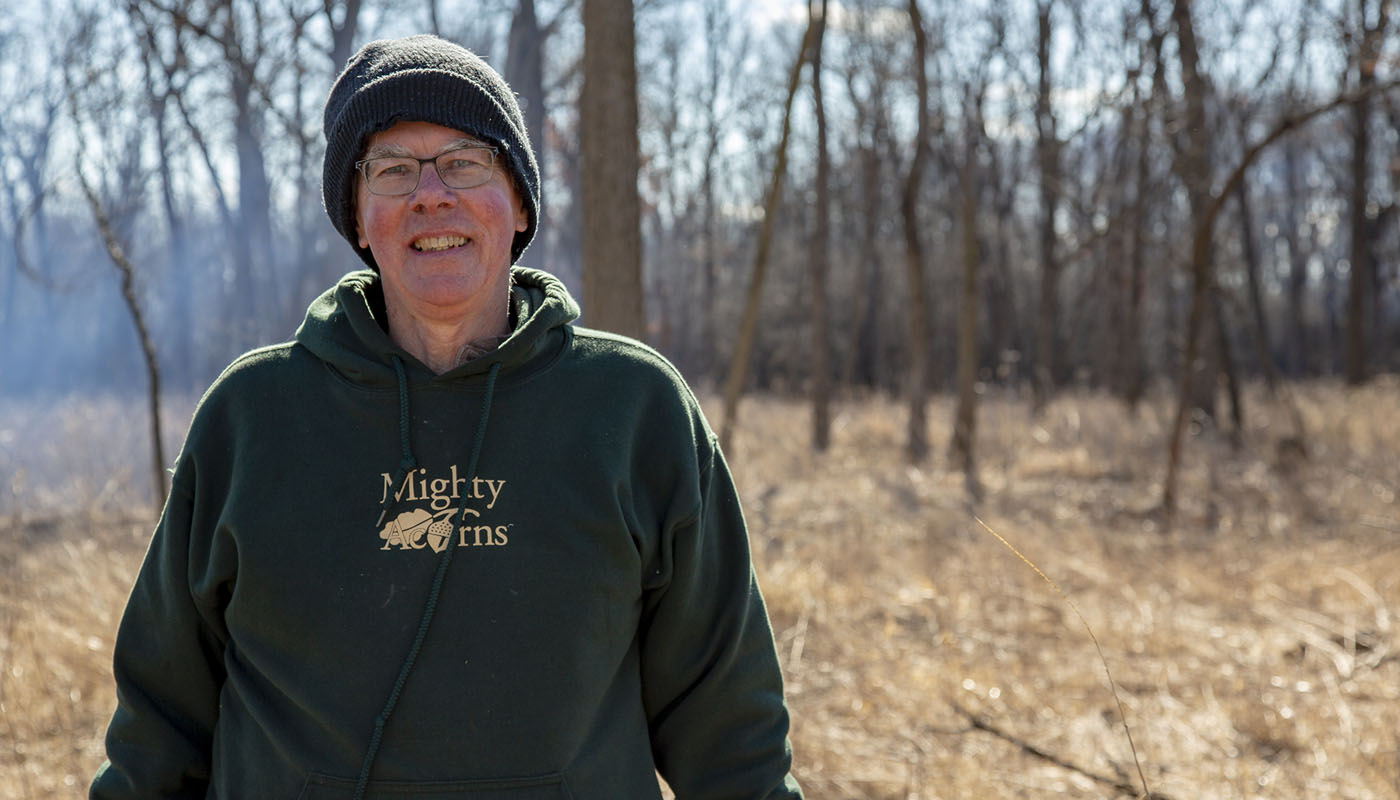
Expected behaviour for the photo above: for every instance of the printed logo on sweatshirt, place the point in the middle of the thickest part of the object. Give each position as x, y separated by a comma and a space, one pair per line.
435, 527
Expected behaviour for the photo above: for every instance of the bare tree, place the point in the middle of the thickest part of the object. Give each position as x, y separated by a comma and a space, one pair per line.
162, 76
969, 182
1201, 245
868, 74
1048, 160
716, 26
343, 27
525, 73
748, 328
718, 75
1137, 129
111, 239
232, 39
820, 247
28, 147
1296, 234
917, 388
1254, 285
1361, 281
26, 177
1194, 169
612, 237
665, 272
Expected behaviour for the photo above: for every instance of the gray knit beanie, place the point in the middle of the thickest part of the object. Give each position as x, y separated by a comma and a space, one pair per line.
421, 79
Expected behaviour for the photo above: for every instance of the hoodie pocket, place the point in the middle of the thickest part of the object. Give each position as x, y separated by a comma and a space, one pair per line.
542, 787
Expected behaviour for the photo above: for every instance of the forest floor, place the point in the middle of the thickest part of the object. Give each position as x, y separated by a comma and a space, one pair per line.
1253, 646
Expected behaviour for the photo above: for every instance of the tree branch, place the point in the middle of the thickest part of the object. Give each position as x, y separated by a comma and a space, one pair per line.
1282, 128
1119, 786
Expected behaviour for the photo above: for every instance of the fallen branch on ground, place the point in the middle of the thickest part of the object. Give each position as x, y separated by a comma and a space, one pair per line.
1120, 786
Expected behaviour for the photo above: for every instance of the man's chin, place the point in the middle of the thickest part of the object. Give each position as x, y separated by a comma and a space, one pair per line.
458, 289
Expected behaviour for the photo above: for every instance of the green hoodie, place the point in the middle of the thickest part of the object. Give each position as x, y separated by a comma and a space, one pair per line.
595, 620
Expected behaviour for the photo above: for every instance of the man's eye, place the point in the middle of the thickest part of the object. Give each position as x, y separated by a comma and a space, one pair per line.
475, 157
391, 170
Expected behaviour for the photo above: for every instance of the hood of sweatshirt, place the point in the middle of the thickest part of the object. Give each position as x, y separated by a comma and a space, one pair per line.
346, 328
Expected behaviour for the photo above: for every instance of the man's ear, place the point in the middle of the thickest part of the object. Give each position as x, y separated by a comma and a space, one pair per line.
360, 227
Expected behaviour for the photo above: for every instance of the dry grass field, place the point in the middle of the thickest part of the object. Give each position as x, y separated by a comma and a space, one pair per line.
1253, 646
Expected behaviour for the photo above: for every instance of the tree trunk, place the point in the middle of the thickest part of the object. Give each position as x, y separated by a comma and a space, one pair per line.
865, 350
254, 202
1130, 382
965, 422
1263, 342
1047, 148
666, 290
1361, 280
1137, 284
1278, 391
999, 303
717, 24
820, 248
525, 69
612, 236
1195, 173
525, 74
917, 447
748, 328
1230, 373
1297, 339
342, 32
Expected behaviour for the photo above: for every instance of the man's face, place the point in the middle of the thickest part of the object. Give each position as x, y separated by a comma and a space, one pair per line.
443, 253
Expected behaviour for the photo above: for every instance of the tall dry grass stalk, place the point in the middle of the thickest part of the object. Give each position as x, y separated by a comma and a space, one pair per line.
1254, 648
1117, 701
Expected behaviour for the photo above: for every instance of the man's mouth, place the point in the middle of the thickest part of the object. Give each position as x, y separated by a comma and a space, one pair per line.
435, 244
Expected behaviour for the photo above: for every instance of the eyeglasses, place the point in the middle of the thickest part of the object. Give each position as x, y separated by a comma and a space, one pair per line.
463, 168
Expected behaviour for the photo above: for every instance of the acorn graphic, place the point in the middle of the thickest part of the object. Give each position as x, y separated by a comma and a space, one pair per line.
439, 532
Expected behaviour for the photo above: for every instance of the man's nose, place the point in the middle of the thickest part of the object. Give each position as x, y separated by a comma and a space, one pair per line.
431, 191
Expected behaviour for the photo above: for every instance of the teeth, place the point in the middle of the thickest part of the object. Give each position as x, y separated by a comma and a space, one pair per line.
433, 244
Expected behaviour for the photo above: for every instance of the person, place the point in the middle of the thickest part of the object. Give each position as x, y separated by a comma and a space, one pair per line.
445, 543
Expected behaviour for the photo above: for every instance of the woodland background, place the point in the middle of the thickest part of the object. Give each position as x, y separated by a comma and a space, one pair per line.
1071, 152
1120, 279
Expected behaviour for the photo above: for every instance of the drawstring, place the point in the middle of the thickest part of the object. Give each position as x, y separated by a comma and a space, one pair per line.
407, 463
443, 562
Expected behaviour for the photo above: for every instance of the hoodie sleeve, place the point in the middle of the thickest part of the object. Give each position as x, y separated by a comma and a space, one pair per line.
168, 667
710, 676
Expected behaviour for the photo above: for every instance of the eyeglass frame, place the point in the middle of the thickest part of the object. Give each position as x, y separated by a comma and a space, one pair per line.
362, 164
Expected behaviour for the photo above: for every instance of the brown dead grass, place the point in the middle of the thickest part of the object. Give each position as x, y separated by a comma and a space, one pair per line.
1253, 646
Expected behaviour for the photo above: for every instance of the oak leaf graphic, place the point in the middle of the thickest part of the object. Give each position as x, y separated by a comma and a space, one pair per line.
408, 528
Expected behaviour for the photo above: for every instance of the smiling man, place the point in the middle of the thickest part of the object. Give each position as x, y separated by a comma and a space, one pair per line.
444, 254
445, 544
